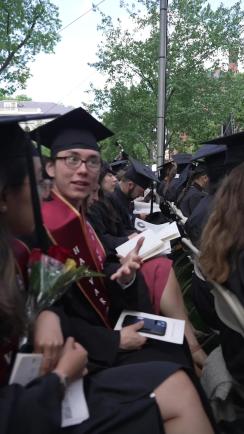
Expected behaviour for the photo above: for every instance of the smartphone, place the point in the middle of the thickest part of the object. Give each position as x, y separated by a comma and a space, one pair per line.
155, 327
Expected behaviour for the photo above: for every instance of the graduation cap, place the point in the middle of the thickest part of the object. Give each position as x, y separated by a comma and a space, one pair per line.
207, 151
140, 174
199, 169
164, 168
235, 147
75, 129
182, 158
214, 157
16, 143
119, 165
166, 163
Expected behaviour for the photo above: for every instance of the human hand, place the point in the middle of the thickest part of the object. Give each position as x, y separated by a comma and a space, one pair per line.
130, 263
143, 216
48, 339
130, 339
73, 361
199, 359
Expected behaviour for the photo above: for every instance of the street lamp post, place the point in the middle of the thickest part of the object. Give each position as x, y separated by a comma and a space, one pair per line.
162, 83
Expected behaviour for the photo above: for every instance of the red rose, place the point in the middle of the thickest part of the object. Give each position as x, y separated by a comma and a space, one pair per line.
35, 256
59, 253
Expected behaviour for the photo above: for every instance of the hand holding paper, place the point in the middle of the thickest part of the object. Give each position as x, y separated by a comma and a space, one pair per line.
130, 263
152, 245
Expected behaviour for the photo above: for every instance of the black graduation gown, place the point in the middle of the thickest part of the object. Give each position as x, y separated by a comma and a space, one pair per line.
177, 184
119, 400
80, 320
124, 208
107, 224
34, 409
203, 300
198, 219
232, 342
191, 199
118, 397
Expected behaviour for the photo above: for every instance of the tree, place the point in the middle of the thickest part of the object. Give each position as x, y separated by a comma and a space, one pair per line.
27, 27
201, 90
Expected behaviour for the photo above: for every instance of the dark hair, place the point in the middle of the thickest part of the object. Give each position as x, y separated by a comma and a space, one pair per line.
12, 175
223, 236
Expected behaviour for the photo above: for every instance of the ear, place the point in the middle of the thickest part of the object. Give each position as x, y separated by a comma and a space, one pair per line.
50, 169
131, 185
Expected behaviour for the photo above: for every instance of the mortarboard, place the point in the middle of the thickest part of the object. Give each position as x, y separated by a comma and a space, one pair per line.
165, 167
75, 129
119, 164
214, 157
140, 174
16, 143
206, 151
235, 147
166, 163
200, 169
182, 158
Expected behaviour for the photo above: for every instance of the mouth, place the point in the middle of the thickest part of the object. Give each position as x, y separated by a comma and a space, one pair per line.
80, 184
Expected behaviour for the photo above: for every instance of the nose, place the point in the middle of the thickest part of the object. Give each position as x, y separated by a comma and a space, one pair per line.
82, 168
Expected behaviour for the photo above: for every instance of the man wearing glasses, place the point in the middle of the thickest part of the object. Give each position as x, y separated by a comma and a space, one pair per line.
89, 311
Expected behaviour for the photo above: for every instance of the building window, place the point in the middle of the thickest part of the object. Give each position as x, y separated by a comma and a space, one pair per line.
10, 105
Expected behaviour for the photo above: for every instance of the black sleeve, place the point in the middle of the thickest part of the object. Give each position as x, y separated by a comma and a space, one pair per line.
194, 200
34, 409
233, 352
108, 225
79, 320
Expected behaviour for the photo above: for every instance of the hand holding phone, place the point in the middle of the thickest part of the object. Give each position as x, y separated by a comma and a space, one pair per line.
155, 327
130, 339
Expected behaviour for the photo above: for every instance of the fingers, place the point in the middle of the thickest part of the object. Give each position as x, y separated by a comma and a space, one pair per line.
51, 355
126, 269
138, 325
69, 343
139, 244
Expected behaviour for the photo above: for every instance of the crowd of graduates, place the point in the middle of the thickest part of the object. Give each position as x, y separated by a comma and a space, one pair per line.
132, 383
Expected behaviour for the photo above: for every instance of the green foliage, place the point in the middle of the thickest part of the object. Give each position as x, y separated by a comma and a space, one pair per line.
23, 97
201, 91
27, 27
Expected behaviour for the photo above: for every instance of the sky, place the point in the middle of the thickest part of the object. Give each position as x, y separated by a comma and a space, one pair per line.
64, 77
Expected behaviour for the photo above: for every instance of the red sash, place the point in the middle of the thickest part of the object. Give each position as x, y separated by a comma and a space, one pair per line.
67, 228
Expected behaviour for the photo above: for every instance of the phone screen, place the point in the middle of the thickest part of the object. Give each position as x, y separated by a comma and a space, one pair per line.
155, 327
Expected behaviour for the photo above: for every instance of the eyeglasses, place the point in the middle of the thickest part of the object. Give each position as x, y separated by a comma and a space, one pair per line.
74, 162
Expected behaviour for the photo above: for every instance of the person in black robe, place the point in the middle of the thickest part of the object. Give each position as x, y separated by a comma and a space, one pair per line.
222, 260
214, 160
103, 216
77, 315
133, 183
214, 157
222, 256
36, 408
195, 191
176, 185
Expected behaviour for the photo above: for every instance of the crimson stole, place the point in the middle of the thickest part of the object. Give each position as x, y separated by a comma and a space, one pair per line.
68, 228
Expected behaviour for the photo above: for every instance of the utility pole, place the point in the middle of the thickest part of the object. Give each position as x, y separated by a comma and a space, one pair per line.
162, 83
